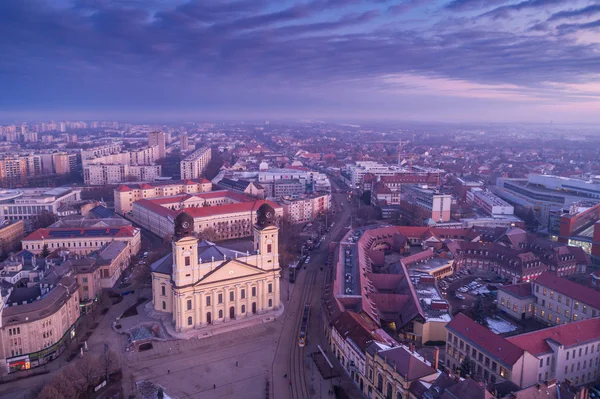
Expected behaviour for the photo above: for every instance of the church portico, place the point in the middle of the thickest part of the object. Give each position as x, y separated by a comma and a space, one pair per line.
213, 285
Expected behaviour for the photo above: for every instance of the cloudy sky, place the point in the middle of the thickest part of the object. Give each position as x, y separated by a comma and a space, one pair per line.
420, 60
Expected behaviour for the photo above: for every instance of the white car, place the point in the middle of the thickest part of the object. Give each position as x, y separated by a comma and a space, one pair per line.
307, 260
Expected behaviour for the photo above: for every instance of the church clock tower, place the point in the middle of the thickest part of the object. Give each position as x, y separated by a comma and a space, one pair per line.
266, 237
186, 269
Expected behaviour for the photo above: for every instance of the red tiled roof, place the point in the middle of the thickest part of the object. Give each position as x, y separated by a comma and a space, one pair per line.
385, 282
569, 288
521, 290
228, 208
495, 345
122, 231
567, 335
122, 188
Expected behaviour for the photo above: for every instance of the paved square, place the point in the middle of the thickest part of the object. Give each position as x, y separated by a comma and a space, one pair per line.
191, 368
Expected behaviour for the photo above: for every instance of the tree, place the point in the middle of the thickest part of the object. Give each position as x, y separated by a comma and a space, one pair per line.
49, 392
88, 368
479, 312
467, 367
209, 234
77, 379
64, 386
45, 251
44, 219
109, 360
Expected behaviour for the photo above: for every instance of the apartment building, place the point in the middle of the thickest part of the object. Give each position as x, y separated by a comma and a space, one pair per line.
27, 204
194, 165
83, 240
494, 358
11, 234
13, 171
99, 151
302, 210
565, 352
391, 372
126, 195
552, 300
426, 202
158, 139
100, 175
489, 202
38, 330
224, 214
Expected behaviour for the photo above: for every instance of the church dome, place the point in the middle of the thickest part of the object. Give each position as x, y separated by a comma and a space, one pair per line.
184, 225
265, 215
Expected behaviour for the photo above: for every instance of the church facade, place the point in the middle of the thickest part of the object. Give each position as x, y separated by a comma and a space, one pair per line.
202, 284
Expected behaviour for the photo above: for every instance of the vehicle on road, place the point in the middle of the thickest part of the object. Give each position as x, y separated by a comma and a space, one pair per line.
302, 335
461, 297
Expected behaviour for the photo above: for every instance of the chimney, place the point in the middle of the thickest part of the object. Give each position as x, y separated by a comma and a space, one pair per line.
411, 347
436, 357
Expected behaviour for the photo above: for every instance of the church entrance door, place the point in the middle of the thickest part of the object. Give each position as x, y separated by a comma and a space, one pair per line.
254, 307
231, 313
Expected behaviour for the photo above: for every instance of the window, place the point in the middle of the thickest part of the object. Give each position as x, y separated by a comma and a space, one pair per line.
537, 288
270, 302
551, 294
503, 372
253, 291
163, 290
189, 304
270, 288
541, 363
231, 296
576, 305
567, 301
379, 382
388, 394
548, 361
574, 316
164, 305
545, 291
220, 314
208, 301
269, 248
243, 308
220, 299
243, 293
187, 261
84, 279
559, 298
189, 320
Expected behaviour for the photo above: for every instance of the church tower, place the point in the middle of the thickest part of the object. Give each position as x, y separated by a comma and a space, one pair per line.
186, 269
266, 238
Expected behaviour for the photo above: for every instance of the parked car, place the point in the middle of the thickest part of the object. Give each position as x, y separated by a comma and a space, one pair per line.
461, 297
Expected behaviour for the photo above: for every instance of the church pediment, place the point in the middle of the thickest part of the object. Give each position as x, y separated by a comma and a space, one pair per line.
230, 270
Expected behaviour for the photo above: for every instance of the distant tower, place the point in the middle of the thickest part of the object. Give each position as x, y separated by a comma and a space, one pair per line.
186, 269
159, 139
185, 144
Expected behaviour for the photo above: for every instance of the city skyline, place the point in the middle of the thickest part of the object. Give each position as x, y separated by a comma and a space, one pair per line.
447, 61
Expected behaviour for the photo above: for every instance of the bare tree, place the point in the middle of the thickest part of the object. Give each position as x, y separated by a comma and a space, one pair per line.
48, 392
74, 375
64, 386
44, 219
209, 234
88, 368
109, 360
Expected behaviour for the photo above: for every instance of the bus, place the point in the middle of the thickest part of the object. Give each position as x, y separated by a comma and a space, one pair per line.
302, 336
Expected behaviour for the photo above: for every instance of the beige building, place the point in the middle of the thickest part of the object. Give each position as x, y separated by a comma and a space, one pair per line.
37, 332
101, 175
126, 195
194, 165
84, 240
302, 210
11, 234
61, 163
158, 139
550, 299
200, 284
220, 214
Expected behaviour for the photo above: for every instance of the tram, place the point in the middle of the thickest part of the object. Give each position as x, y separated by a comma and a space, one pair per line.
302, 335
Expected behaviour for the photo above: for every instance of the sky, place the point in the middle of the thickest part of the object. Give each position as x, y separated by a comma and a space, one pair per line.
419, 60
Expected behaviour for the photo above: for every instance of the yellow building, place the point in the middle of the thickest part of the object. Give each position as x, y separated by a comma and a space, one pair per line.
201, 284
11, 233
82, 241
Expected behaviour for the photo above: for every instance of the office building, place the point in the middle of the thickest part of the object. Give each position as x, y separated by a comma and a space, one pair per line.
489, 202
424, 203
305, 209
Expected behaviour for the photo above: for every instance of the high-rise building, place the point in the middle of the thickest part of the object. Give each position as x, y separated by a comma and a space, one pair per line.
185, 145
195, 164
63, 127
159, 139
61, 163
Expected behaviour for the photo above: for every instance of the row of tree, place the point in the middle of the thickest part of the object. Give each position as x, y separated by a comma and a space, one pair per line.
80, 377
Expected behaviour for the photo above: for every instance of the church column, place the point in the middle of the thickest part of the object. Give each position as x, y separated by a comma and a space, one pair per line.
237, 301
226, 303
276, 294
199, 309
248, 299
213, 299
260, 292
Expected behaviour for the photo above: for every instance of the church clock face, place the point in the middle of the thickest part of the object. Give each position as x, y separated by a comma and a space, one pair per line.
185, 225
269, 215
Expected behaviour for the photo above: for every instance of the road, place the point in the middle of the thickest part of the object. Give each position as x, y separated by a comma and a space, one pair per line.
294, 374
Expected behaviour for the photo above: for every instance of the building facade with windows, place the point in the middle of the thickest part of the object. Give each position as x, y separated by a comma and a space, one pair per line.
553, 300
36, 332
126, 194
82, 241
194, 165
201, 284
